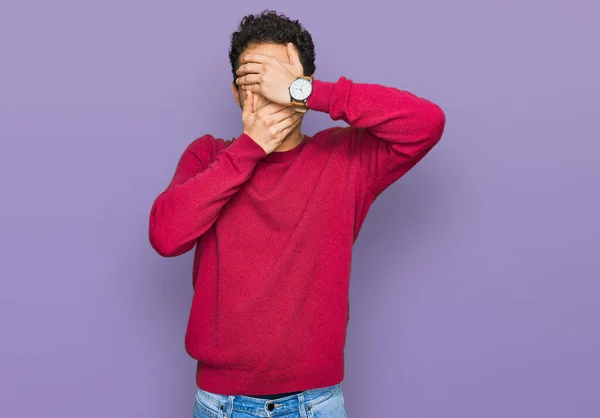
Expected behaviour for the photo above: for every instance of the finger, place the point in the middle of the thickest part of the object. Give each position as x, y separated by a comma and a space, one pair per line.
260, 102
286, 131
258, 58
271, 109
283, 114
250, 68
248, 79
248, 105
255, 88
256, 101
287, 122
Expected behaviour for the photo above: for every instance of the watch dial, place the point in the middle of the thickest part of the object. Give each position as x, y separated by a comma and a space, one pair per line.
301, 89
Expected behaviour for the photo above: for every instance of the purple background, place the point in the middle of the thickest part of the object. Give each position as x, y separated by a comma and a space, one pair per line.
475, 286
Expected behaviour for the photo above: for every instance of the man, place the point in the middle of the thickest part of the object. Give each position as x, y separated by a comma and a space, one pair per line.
273, 215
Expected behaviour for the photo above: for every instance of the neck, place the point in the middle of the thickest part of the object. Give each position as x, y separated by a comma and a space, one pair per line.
291, 141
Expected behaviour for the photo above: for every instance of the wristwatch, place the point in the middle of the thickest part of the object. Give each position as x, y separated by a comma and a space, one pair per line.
300, 91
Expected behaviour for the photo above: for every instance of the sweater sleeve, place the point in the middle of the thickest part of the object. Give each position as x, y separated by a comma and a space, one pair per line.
195, 196
390, 129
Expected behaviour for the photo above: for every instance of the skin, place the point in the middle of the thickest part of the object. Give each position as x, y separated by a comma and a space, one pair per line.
265, 73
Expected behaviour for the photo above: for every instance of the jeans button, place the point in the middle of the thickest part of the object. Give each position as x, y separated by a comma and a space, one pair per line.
270, 406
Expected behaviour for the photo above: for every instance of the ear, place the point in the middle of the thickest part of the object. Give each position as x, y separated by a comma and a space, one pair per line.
236, 94
294, 57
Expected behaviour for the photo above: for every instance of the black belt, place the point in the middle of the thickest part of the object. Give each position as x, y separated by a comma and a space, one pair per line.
275, 396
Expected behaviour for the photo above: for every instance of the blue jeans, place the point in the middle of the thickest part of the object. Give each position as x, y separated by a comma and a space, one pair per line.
312, 403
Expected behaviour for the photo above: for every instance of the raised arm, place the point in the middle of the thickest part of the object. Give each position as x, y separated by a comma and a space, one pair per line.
390, 129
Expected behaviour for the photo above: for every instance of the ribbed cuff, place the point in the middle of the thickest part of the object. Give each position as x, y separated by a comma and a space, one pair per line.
248, 146
321, 93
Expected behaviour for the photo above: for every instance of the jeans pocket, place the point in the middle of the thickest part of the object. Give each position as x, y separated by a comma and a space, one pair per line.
204, 407
332, 407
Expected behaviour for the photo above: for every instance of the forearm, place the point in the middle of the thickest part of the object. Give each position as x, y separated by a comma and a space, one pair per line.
396, 116
390, 131
185, 211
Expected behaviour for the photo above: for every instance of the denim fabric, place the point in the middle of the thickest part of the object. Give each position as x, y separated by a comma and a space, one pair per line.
327, 402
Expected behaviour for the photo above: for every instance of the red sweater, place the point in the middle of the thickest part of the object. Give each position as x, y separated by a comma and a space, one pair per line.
274, 234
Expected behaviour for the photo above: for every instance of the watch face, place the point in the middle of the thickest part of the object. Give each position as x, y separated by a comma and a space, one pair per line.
301, 89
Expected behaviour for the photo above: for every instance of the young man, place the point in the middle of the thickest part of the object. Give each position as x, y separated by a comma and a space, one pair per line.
273, 215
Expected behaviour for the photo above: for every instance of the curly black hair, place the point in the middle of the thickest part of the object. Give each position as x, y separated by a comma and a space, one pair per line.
270, 26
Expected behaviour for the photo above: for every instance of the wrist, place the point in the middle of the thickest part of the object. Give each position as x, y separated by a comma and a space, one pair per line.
251, 147
321, 96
